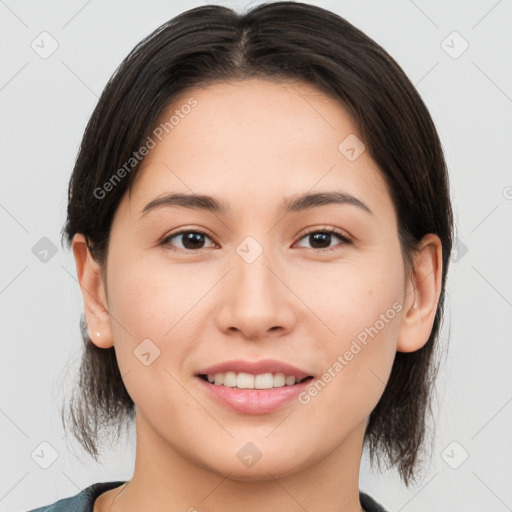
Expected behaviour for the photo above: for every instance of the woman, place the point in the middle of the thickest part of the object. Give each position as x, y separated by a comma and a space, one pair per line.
261, 224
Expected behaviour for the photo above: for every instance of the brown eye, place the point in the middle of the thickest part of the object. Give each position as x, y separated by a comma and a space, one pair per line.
320, 240
190, 240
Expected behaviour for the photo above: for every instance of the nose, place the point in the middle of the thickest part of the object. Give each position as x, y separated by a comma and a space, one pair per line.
256, 299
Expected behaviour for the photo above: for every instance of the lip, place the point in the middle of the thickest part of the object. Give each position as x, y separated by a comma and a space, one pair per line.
256, 368
254, 401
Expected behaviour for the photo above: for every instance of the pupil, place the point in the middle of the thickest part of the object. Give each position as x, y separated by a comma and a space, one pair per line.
320, 237
193, 239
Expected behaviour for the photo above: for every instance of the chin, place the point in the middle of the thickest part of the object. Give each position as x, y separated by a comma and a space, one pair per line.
260, 472
265, 465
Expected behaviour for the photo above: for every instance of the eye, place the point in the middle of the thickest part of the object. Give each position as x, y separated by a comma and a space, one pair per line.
191, 240
323, 238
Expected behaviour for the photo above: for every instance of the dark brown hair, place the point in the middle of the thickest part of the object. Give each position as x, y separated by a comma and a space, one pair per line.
278, 41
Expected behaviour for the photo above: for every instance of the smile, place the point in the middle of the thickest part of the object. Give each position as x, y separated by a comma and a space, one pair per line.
243, 380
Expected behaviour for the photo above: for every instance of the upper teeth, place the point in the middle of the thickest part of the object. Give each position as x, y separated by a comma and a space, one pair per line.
248, 381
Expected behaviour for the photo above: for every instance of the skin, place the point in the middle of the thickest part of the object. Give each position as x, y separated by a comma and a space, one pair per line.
295, 302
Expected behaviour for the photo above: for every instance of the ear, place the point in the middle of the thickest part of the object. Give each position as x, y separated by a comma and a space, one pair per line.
423, 289
93, 293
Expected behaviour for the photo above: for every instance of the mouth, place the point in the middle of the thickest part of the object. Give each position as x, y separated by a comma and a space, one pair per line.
243, 380
253, 387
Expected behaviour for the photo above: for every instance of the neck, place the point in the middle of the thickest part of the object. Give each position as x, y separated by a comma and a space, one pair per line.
164, 479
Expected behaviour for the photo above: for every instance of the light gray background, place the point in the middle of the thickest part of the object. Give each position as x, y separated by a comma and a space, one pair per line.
45, 104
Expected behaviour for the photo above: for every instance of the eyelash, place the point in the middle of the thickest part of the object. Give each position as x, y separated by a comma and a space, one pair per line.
345, 240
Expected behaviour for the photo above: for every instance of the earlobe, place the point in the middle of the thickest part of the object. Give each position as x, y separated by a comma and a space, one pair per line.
93, 293
422, 295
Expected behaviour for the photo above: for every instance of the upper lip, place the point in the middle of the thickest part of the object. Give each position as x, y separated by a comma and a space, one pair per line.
255, 368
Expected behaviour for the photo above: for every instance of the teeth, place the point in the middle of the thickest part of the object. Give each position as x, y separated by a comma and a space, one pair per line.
244, 380
264, 381
229, 379
289, 381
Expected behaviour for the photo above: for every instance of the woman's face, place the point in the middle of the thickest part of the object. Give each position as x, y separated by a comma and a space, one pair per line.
264, 283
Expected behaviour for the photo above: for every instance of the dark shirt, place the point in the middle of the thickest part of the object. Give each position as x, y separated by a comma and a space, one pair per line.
84, 500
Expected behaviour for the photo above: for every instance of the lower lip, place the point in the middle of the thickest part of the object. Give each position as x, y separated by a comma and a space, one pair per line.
254, 401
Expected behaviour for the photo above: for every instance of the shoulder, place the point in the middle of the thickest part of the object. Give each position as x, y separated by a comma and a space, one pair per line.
81, 502
369, 504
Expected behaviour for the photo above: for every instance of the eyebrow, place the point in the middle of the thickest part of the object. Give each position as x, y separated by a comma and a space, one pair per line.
289, 205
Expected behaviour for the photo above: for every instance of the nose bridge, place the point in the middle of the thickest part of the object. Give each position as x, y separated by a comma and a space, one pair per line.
256, 300
252, 277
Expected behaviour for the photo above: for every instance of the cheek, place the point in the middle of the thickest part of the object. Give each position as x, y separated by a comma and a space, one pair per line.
167, 303
362, 309
357, 365
152, 333
357, 296
147, 303
150, 296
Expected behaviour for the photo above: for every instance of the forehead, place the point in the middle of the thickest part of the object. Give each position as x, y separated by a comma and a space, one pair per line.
259, 117
258, 140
